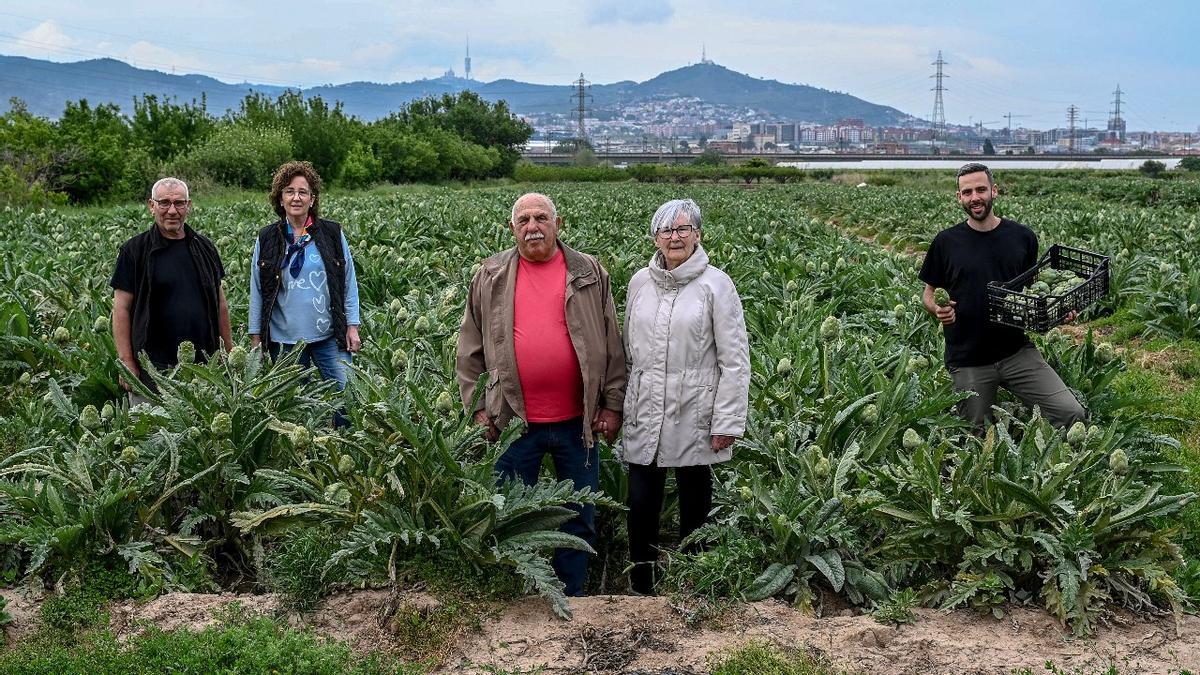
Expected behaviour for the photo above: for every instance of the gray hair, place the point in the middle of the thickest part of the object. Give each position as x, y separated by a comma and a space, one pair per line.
168, 182
667, 213
512, 216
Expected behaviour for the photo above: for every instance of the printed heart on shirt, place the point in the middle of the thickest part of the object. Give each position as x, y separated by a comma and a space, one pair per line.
322, 325
319, 304
317, 279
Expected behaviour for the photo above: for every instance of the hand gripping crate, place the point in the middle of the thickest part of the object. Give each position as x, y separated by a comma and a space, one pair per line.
1009, 304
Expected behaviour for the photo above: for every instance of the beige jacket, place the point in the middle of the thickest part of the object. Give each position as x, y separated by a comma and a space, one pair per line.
485, 339
689, 363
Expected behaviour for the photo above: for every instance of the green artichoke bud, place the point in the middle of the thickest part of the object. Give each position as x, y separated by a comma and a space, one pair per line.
811, 267
299, 436
839, 265
346, 464
1105, 352
912, 440
792, 286
399, 358
395, 305
61, 335
869, 414
779, 438
444, 403
337, 493
1164, 268
402, 315
237, 357
25, 378
1193, 308
1077, 434
422, 324
106, 413
90, 417
942, 297
1118, 462
186, 352
1093, 434
915, 364
822, 468
898, 311
825, 267
129, 455
222, 425
193, 433
784, 367
745, 493
100, 325
831, 328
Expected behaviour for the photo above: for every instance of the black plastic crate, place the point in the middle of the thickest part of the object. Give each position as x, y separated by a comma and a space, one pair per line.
1009, 304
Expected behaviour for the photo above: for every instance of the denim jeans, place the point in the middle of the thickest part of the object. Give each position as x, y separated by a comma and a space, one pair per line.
330, 363
573, 462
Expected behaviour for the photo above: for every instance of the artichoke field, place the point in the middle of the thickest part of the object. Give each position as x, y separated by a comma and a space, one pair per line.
855, 476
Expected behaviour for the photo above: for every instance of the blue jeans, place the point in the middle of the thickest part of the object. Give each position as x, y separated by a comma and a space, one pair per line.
573, 462
330, 363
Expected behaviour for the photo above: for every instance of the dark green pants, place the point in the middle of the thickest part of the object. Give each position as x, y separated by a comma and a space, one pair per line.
1027, 375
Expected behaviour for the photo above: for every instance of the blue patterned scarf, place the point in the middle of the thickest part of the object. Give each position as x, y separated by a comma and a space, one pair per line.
295, 252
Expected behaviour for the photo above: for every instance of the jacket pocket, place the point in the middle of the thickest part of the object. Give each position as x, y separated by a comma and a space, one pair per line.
633, 398
706, 396
493, 394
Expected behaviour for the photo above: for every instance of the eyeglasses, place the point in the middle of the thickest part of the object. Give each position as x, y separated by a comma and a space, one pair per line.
293, 192
683, 231
179, 204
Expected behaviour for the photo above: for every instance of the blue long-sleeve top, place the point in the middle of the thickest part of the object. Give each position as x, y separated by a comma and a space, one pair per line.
301, 309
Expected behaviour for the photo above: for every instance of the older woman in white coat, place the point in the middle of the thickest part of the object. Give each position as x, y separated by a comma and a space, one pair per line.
689, 381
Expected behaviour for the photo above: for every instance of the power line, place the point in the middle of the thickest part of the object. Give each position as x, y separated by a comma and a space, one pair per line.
1072, 116
582, 88
939, 110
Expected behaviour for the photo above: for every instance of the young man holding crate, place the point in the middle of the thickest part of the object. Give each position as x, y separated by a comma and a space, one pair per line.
980, 355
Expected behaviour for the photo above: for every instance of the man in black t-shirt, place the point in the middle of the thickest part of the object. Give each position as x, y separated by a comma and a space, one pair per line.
167, 287
980, 355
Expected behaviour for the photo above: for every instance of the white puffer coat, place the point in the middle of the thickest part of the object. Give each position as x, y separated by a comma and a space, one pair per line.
689, 363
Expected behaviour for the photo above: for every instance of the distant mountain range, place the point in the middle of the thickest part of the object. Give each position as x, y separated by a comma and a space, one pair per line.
46, 86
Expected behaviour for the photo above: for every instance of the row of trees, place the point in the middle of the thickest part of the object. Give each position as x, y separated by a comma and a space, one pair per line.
94, 154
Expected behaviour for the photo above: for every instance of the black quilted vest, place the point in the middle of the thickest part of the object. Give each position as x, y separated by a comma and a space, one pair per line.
272, 245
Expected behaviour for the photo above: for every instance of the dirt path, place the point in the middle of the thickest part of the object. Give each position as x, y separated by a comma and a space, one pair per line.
623, 634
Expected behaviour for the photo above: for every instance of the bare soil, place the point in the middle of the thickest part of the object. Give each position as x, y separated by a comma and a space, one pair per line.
625, 634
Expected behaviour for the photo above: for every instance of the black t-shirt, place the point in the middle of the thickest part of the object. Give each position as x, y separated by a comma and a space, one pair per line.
177, 307
963, 260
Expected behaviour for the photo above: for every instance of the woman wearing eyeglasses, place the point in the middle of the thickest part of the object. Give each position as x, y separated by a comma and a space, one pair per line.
689, 381
303, 287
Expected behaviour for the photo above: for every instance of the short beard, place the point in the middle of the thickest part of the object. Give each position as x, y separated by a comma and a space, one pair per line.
987, 211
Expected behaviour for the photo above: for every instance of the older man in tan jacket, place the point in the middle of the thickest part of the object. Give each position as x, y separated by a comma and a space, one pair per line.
541, 322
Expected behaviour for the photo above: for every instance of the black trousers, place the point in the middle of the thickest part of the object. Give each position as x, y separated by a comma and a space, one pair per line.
646, 486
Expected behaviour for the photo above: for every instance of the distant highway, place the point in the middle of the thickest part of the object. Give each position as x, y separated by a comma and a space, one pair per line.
871, 161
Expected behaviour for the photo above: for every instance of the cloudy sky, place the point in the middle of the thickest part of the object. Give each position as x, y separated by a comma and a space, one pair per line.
1032, 59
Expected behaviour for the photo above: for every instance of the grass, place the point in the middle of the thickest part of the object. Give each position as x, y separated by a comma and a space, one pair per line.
296, 567
761, 658
238, 644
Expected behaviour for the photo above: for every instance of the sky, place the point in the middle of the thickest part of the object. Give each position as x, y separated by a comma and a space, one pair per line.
1030, 59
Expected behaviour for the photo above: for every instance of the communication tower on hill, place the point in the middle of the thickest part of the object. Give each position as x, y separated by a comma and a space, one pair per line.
939, 110
582, 87
467, 60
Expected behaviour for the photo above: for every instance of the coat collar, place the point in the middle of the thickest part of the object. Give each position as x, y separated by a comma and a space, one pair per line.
691, 268
577, 263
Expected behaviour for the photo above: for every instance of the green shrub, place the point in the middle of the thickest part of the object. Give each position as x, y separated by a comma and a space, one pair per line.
237, 155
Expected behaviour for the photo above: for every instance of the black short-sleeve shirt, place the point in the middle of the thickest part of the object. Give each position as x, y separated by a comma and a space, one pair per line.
963, 260
178, 311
